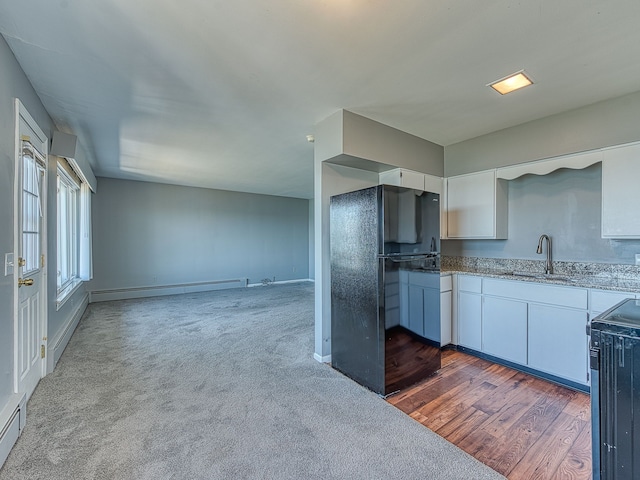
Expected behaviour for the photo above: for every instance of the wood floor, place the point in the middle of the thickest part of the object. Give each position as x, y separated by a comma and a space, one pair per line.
521, 426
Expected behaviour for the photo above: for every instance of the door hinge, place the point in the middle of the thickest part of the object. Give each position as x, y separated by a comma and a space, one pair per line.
42, 261
42, 351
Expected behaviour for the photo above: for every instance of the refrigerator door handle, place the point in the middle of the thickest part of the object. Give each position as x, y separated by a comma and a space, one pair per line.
408, 258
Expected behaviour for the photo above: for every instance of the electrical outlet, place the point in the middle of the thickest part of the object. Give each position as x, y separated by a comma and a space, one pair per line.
637, 258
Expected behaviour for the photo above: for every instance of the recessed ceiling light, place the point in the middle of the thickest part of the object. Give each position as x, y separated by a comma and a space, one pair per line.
510, 83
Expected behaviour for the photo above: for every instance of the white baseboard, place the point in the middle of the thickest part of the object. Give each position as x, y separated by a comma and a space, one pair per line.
280, 282
161, 290
322, 359
62, 338
12, 420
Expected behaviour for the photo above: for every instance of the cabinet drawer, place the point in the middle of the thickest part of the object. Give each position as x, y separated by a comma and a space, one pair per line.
424, 279
468, 283
572, 297
602, 300
445, 283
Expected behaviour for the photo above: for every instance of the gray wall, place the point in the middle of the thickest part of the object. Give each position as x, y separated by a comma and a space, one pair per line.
14, 84
565, 205
603, 124
344, 140
367, 139
148, 234
312, 262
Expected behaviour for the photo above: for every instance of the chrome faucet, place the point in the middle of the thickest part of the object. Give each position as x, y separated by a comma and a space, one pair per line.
433, 244
548, 269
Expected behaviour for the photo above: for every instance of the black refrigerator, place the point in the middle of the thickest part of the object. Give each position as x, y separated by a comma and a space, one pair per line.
615, 392
377, 235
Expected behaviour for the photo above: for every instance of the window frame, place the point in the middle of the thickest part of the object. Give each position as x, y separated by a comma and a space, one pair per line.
68, 235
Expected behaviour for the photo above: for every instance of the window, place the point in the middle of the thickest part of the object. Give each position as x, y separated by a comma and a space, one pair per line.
68, 231
33, 165
74, 229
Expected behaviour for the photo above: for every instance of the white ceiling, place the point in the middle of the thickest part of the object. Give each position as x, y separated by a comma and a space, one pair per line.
221, 94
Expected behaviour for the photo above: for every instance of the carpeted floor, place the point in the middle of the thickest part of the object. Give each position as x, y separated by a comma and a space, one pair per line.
217, 385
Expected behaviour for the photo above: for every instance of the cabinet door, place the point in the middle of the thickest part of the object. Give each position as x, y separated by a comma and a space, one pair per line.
431, 309
470, 320
433, 184
404, 298
445, 318
620, 193
558, 341
444, 228
402, 178
504, 329
411, 179
471, 205
416, 309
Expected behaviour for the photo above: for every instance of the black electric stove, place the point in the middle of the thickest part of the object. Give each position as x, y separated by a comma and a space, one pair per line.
615, 391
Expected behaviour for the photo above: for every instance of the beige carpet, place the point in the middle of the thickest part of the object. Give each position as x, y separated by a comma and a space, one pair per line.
217, 385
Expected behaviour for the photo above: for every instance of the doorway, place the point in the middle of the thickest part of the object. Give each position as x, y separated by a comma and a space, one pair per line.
30, 272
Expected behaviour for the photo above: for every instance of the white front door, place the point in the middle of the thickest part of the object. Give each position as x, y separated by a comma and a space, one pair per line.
30, 271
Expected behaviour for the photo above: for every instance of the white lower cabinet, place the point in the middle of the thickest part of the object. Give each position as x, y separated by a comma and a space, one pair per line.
416, 309
424, 308
445, 317
557, 342
540, 326
504, 329
404, 298
470, 320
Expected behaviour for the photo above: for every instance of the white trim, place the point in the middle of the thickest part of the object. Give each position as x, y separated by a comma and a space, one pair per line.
280, 282
161, 290
321, 359
543, 167
85, 261
67, 292
12, 421
61, 340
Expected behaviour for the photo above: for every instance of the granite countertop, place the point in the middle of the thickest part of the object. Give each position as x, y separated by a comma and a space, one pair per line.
599, 281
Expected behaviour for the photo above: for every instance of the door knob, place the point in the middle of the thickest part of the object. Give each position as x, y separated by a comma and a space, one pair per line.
27, 282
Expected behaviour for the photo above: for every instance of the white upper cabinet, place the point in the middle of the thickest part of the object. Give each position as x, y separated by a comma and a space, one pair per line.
476, 206
620, 192
433, 184
402, 177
